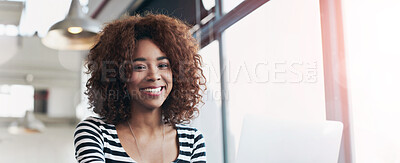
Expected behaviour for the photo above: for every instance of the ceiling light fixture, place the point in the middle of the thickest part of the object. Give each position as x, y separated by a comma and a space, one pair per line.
76, 32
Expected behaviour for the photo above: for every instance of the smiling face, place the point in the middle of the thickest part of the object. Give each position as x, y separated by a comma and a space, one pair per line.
151, 80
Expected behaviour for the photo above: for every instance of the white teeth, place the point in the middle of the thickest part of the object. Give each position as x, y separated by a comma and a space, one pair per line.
153, 90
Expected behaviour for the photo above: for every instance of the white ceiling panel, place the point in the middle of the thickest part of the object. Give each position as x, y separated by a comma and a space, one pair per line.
10, 12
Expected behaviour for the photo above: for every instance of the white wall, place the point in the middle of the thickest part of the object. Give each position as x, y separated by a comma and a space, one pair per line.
62, 102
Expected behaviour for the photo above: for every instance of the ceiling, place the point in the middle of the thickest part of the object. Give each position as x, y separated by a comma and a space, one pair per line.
109, 10
182, 9
10, 12
37, 16
24, 54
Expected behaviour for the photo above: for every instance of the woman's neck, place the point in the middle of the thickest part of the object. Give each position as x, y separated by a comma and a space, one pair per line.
146, 121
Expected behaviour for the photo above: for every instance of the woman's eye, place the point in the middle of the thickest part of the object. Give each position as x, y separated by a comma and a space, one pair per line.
139, 67
163, 65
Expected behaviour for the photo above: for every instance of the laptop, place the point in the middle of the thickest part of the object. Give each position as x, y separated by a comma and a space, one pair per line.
283, 141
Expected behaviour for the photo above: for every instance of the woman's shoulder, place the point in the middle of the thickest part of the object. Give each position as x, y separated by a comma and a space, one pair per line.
192, 143
185, 127
95, 123
188, 131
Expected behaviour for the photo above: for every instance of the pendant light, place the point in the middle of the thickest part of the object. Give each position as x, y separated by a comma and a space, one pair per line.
76, 32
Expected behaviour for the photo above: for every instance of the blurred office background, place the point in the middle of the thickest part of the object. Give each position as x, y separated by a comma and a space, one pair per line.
297, 60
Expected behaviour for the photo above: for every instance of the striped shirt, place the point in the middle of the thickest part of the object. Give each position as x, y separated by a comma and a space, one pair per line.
97, 142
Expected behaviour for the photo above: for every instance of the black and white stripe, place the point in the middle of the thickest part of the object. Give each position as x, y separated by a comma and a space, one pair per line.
97, 142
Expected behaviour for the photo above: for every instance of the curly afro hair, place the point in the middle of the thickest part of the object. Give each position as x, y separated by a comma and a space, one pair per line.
107, 87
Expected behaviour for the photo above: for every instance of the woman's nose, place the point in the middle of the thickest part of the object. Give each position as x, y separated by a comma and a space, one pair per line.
153, 75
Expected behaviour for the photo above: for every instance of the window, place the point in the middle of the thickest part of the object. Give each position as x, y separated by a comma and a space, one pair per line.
372, 56
274, 66
15, 100
228, 5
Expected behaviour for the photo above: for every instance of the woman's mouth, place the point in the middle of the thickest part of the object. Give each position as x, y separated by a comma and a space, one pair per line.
152, 91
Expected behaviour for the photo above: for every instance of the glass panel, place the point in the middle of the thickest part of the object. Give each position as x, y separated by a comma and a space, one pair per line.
208, 4
372, 53
274, 66
209, 120
228, 5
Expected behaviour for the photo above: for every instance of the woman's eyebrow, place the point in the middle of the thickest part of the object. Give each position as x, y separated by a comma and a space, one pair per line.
161, 58
144, 59
139, 59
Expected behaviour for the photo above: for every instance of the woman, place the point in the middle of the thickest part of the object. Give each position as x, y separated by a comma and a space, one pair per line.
145, 82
